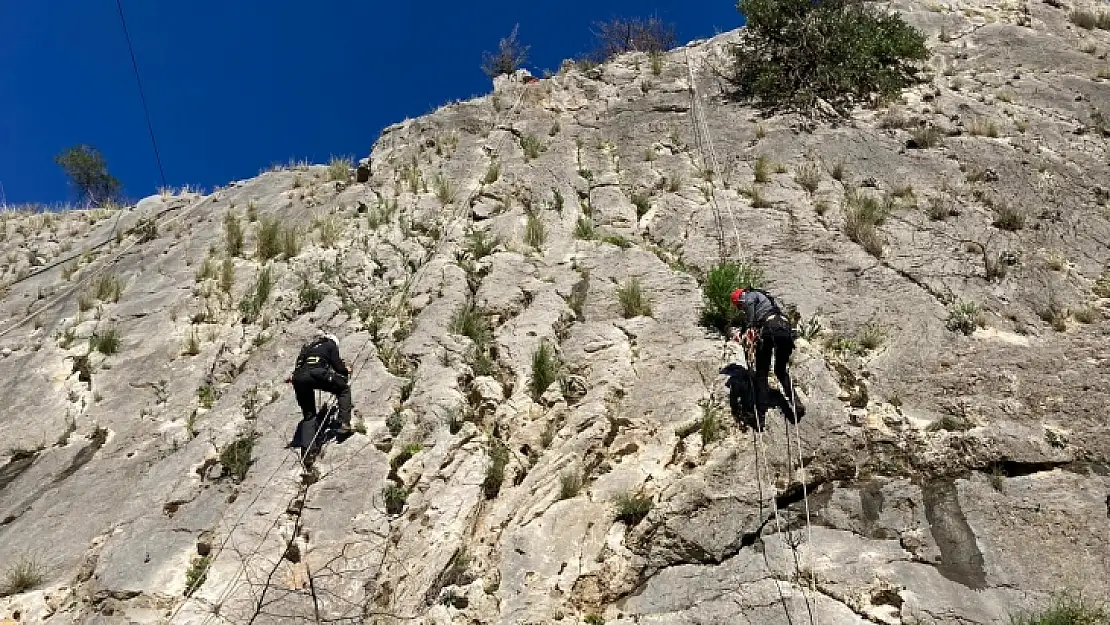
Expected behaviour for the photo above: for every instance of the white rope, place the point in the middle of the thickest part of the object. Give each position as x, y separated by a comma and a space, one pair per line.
805, 494
763, 469
709, 153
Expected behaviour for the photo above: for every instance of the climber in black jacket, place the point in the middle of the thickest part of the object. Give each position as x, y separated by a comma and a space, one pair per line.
319, 367
772, 334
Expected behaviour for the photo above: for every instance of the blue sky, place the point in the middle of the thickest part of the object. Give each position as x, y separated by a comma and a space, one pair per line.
235, 85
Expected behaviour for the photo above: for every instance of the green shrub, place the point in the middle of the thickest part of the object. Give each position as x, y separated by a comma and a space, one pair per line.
207, 270
584, 229
88, 172
269, 243
395, 423
406, 454
493, 172
495, 473
232, 234
105, 341
444, 192
871, 335
227, 275
22, 575
717, 309
595, 619
545, 369
339, 168
510, 56
642, 202
924, 137
237, 457
633, 301
949, 423
710, 423
570, 484
632, 508
762, 169
578, 293
290, 242
471, 323
1083, 18
535, 233
618, 240
965, 317
196, 575
840, 51
1007, 218
480, 244
206, 396
192, 344
808, 177
107, 288
252, 304
310, 295
330, 231
532, 147
395, 497
1066, 609
1102, 284
1087, 314
862, 216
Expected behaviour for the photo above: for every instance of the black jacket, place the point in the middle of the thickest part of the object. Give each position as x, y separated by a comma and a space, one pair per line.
321, 352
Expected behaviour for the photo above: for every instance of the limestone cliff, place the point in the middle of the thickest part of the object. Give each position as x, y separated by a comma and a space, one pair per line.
955, 360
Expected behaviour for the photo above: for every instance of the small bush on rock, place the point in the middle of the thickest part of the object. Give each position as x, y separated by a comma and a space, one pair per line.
339, 168
965, 317
1066, 609
619, 35
545, 369
510, 56
632, 508
237, 457
495, 473
196, 575
796, 52
717, 309
633, 301
22, 575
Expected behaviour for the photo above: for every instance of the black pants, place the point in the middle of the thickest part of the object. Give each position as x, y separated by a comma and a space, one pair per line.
307, 381
776, 339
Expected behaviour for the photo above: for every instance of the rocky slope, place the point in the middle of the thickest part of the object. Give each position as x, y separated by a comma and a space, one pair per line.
949, 477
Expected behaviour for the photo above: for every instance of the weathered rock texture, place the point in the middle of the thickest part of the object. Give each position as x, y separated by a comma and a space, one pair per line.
949, 478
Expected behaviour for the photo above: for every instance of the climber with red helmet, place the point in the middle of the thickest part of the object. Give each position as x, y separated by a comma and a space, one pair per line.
772, 334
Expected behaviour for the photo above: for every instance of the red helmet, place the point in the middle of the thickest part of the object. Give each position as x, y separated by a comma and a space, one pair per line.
736, 296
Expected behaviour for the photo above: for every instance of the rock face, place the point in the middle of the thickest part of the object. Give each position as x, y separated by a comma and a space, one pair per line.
938, 477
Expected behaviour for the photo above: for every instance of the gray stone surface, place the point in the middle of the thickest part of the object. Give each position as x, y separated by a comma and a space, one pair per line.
971, 480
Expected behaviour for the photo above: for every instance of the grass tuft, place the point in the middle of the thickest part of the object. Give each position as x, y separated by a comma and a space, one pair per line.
546, 368
22, 575
632, 508
633, 301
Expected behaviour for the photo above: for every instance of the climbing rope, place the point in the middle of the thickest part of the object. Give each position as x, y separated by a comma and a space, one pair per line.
704, 141
763, 471
359, 364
